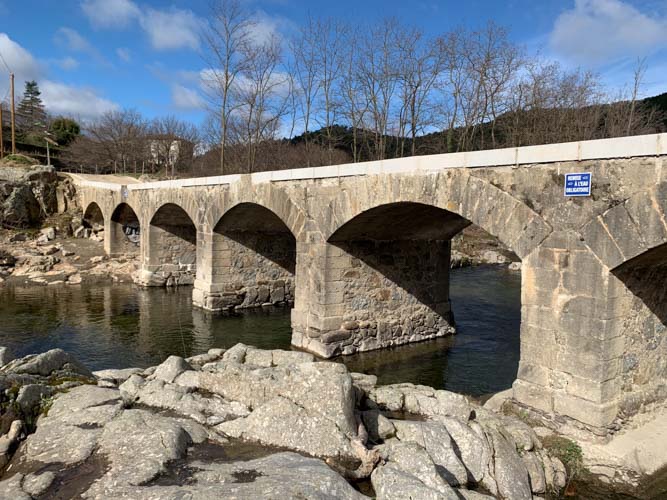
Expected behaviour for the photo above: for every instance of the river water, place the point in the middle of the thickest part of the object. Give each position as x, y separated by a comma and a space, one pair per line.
118, 326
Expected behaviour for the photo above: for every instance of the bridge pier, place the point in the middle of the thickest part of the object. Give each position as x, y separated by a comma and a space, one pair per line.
571, 333
367, 294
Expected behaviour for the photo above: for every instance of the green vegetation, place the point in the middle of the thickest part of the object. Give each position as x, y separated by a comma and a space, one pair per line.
568, 452
30, 111
64, 130
20, 159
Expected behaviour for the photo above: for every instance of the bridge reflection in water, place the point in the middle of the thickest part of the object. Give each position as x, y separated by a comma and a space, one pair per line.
125, 326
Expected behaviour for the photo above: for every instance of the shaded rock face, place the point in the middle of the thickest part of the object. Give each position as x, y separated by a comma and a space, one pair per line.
313, 425
27, 195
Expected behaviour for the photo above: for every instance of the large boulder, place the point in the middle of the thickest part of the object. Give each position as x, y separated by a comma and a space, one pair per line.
281, 475
27, 194
55, 361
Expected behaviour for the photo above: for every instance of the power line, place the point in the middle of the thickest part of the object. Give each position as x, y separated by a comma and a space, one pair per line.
5, 62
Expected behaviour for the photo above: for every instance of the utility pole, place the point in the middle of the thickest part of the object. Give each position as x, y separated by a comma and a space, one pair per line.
13, 113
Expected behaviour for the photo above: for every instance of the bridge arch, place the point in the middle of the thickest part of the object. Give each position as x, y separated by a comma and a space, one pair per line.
93, 215
474, 199
124, 231
253, 258
170, 254
274, 199
630, 239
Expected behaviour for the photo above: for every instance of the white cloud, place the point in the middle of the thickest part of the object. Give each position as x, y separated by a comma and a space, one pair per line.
598, 32
110, 13
72, 40
18, 59
68, 63
58, 97
171, 29
124, 54
83, 102
185, 98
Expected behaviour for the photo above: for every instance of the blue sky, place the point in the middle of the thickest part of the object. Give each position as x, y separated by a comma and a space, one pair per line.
90, 56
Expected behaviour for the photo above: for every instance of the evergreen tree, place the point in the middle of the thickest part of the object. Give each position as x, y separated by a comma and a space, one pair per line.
64, 130
31, 114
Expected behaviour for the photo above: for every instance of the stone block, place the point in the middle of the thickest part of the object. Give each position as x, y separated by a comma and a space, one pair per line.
599, 240
588, 412
335, 336
624, 231
593, 390
535, 374
533, 395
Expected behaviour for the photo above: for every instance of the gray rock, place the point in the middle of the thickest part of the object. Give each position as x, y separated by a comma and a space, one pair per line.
69, 433
9, 440
5, 356
392, 483
378, 426
37, 484
49, 232
322, 389
139, 444
211, 410
10, 489
472, 448
495, 402
421, 400
535, 468
116, 377
510, 472
171, 368
282, 475
46, 363
437, 442
281, 422
30, 396
414, 460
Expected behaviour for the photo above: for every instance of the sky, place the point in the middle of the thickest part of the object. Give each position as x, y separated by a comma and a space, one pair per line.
92, 56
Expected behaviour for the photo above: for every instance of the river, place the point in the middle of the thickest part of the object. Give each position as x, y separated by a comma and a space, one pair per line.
118, 326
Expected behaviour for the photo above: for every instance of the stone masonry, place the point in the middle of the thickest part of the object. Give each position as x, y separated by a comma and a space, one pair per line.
371, 249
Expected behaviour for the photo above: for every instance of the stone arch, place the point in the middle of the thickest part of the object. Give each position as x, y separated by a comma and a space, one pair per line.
170, 257
272, 198
124, 230
630, 239
472, 198
253, 258
93, 215
628, 230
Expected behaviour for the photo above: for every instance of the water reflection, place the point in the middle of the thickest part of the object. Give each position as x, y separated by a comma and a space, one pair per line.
123, 326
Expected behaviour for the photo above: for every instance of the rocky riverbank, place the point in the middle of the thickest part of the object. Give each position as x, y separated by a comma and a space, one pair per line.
250, 423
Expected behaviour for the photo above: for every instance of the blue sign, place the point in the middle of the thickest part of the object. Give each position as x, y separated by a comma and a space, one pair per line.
578, 184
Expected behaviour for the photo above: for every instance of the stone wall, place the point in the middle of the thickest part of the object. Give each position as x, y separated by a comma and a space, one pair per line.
644, 316
174, 254
392, 292
252, 269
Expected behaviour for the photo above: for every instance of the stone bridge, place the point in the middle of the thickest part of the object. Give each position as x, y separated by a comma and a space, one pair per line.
362, 251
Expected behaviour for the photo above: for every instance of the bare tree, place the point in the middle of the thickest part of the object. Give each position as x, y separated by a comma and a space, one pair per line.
171, 143
227, 38
305, 70
263, 96
378, 77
